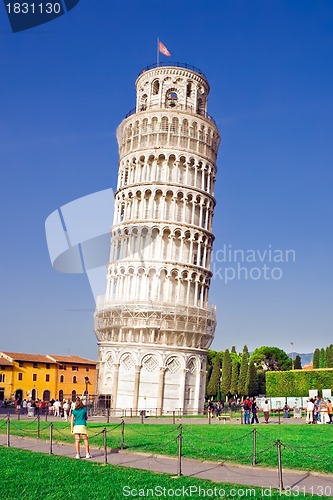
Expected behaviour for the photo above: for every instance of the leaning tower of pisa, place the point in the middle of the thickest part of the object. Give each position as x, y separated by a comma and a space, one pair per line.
154, 325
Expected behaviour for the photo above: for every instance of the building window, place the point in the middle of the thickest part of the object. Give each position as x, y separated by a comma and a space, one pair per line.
47, 378
2, 367
61, 379
74, 380
87, 369
20, 364
34, 377
75, 368
62, 367
20, 376
48, 366
2, 377
35, 365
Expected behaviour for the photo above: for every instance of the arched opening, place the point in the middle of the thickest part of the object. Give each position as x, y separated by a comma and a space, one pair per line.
73, 395
61, 395
46, 396
34, 394
156, 87
19, 394
171, 98
144, 100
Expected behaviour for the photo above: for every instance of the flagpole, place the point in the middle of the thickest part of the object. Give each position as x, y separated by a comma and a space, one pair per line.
158, 52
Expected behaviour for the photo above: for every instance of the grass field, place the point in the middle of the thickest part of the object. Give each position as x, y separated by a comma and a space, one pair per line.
34, 475
209, 442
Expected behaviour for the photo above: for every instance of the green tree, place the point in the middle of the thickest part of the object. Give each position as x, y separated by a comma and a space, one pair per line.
315, 359
214, 381
261, 381
329, 356
322, 358
234, 377
252, 380
226, 373
271, 359
297, 362
243, 372
233, 349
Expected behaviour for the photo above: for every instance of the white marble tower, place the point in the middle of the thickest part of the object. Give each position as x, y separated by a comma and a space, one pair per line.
154, 325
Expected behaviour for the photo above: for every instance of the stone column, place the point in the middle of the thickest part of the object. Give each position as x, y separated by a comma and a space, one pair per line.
182, 386
136, 388
115, 385
202, 389
160, 391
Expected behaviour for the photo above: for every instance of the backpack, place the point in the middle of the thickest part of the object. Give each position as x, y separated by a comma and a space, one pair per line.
246, 406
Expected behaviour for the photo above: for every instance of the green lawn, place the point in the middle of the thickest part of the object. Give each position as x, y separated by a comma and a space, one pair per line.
31, 476
210, 442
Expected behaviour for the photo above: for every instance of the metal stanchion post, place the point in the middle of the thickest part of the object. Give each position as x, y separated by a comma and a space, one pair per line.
51, 438
105, 446
8, 430
180, 439
131, 412
279, 414
108, 415
142, 415
242, 416
254, 451
173, 417
209, 417
18, 414
122, 444
38, 425
278, 443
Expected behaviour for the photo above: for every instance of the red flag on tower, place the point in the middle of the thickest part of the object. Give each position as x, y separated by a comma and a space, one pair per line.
162, 48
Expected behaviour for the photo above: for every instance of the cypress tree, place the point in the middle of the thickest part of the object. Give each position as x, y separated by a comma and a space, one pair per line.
322, 358
252, 380
233, 349
214, 381
329, 356
243, 372
297, 363
226, 373
234, 377
315, 359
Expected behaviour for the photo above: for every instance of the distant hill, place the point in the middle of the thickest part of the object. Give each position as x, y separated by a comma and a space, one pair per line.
306, 358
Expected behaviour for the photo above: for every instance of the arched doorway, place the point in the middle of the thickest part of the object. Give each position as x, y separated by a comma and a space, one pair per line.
61, 395
73, 395
34, 394
46, 396
19, 394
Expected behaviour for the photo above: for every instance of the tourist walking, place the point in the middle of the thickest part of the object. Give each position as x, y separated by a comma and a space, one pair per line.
254, 409
330, 411
79, 427
309, 411
246, 408
266, 410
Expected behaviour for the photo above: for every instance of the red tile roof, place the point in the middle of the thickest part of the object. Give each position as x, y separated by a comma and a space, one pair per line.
5, 362
71, 359
20, 356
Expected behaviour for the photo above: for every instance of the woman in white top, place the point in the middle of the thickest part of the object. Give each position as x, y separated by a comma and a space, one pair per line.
266, 409
309, 411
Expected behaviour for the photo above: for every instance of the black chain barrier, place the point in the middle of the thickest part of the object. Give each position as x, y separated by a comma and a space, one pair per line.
179, 438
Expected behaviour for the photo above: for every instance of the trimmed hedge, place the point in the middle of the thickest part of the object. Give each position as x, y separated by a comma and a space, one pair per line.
297, 382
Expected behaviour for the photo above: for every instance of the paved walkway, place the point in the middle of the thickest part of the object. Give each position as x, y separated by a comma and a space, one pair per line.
302, 481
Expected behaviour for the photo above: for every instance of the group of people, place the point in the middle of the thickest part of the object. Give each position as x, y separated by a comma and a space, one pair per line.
250, 407
319, 411
54, 407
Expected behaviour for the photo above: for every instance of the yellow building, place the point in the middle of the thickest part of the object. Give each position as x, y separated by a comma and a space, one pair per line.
6, 379
75, 376
37, 376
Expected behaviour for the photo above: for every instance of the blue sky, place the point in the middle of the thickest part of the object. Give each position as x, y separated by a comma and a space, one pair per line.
65, 87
